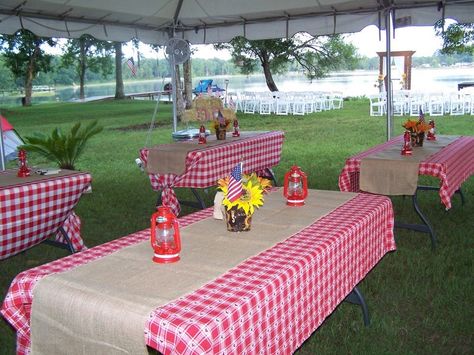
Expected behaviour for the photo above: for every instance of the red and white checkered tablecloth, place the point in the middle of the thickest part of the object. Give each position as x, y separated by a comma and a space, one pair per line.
205, 166
453, 165
32, 212
268, 304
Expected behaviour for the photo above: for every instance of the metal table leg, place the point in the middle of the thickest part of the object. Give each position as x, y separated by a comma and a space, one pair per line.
433, 188
356, 297
68, 244
424, 228
272, 176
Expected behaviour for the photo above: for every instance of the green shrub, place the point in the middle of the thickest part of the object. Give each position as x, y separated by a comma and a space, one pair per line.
63, 149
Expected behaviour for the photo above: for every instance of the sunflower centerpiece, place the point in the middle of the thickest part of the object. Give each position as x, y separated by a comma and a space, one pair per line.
417, 130
220, 125
242, 194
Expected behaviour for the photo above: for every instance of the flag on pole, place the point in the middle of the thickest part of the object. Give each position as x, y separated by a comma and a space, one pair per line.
131, 65
235, 184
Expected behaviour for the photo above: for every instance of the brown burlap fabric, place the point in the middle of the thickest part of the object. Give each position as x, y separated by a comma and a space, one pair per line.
390, 173
171, 158
102, 307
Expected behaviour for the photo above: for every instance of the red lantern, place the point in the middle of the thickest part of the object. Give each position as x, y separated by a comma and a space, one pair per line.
407, 149
236, 132
202, 135
23, 170
165, 238
295, 187
432, 131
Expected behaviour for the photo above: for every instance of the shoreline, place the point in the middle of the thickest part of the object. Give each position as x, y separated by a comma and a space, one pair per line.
355, 83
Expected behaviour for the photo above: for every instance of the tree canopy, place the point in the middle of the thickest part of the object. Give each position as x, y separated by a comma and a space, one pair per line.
317, 56
458, 38
25, 58
88, 53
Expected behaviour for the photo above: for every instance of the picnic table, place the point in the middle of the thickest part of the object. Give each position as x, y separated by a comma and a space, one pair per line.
190, 165
34, 208
449, 158
265, 290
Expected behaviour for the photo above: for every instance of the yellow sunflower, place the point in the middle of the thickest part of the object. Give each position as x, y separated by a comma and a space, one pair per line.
251, 198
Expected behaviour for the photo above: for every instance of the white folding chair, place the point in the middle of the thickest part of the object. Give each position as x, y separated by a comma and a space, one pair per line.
436, 104
337, 100
377, 104
266, 103
456, 104
282, 104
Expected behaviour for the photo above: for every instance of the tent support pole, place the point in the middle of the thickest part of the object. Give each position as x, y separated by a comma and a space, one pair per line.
389, 89
2, 151
175, 94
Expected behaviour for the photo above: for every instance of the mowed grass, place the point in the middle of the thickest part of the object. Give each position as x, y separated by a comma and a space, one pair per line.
420, 300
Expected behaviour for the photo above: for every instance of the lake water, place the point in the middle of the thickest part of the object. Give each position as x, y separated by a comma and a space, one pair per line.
352, 83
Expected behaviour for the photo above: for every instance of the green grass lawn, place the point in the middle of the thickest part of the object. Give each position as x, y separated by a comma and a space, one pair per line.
420, 300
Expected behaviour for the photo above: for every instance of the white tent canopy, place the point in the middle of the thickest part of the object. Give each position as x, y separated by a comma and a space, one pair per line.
212, 21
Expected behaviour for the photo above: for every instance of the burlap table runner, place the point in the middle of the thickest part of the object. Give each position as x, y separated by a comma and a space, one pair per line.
9, 178
171, 158
390, 173
102, 307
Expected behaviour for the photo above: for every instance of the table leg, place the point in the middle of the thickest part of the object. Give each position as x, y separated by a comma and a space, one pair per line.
433, 188
201, 203
68, 245
424, 228
268, 174
356, 297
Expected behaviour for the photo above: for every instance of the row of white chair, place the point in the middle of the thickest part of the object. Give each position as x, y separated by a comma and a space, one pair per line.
286, 103
407, 102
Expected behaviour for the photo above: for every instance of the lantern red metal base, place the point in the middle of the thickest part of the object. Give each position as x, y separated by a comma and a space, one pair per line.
23, 172
165, 259
406, 151
296, 203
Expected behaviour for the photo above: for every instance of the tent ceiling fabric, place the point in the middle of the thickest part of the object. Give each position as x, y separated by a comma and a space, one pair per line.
210, 21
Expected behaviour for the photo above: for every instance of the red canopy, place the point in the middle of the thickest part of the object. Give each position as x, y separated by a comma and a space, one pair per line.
6, 126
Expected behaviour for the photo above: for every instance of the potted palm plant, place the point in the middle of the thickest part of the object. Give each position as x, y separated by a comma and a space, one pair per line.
62, 148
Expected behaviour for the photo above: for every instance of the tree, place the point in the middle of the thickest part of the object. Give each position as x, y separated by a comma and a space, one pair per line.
458, 38
7, 81
88, 53
119, 90
188, 83
316, 55
25, 58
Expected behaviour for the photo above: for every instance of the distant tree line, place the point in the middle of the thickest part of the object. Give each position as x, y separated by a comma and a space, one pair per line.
159, 68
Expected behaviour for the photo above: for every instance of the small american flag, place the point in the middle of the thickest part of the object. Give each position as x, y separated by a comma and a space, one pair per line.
235, 184
131, 65
421, 116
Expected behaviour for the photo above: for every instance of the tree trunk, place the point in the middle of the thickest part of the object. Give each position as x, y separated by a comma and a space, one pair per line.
179, 93
119, 91
188, 83
82, 69
26, 100
268, 76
